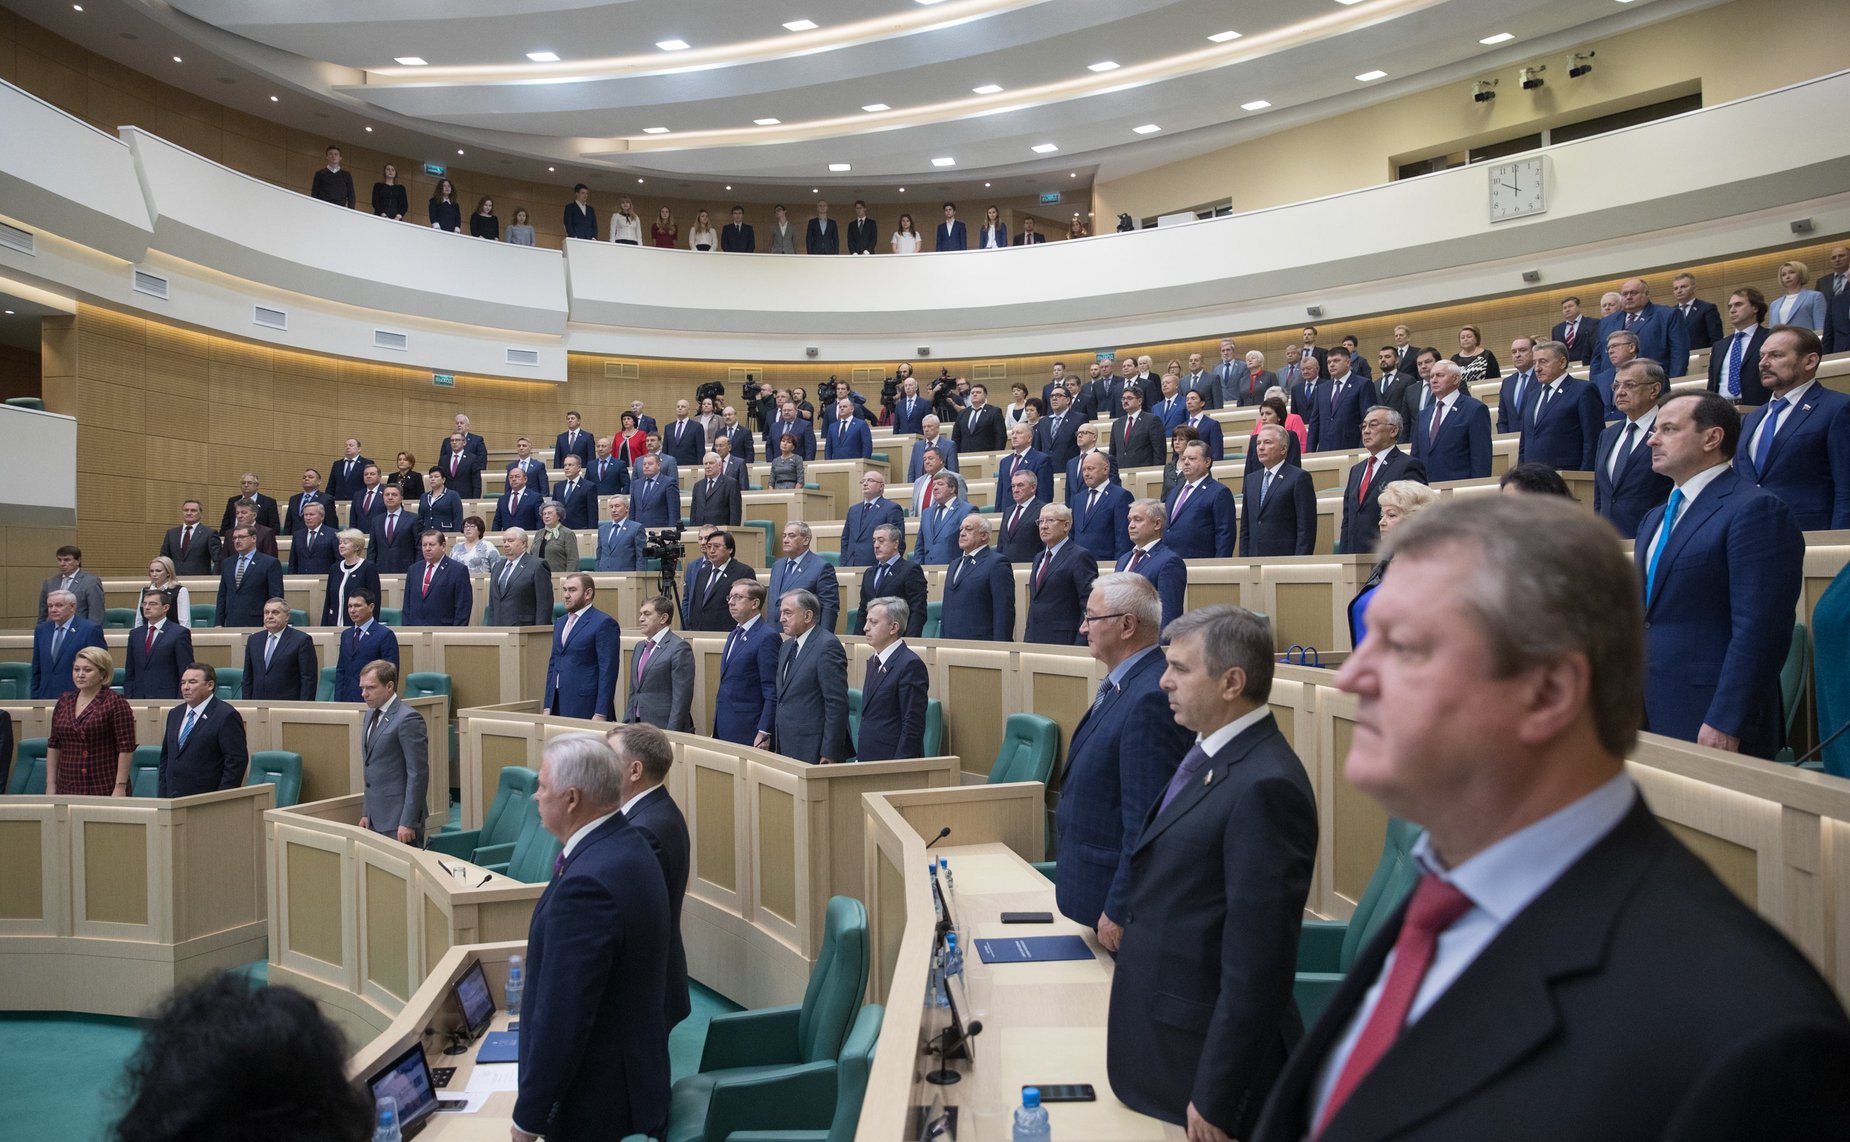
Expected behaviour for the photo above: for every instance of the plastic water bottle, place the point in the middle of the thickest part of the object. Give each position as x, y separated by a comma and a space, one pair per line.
387, 1128
1031, 1123
953, 961
938, 996
944, 870
516, 982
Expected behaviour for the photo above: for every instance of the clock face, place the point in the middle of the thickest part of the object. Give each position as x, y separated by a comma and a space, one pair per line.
1517, 189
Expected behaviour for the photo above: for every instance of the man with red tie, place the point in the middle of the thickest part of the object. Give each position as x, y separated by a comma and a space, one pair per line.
437, 588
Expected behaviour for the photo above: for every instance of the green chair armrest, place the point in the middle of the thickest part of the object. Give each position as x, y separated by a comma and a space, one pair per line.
492, 854
778, 1136
1048, 869
499, 868
457, 844
1313, 991
761, 1038
1320, 945
793, 1098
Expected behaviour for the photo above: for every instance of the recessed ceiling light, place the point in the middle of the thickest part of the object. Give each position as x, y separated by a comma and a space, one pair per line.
177, 59
1146, 129
767, 122
1045, 148
1103, 65
1347, 2
1223, 37
876, 107
410, 61
549, 170
459, 150
838, 168
944, 162
9, 312
1499, 38
1370, 76
1625, 1
987, 89
815, 190
655, 130
927, 3
543, 57
672, 45
1075, 174
74, 8
639, 182
729, 188
369, 130
985, 186
800, 26
274, 99
1255, 105
902, 190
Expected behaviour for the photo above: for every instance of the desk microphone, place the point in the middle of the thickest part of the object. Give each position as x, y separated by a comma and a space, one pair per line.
942, 833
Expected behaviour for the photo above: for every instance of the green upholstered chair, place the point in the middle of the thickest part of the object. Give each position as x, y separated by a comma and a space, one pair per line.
587, 562
26, 402
144, 772
535, 851
854, 716
1328, 948
17, 676
118, 618
558, 610
772, 1041
298, 617
324, 690
1795, 673
29, 767
1029, 743
205, 615
832, 558
281, 768
494, 842
934, 727
230, 682
1830, 628
854, 623
813, 1103
934, 619
424, 683
392, 616
118, 678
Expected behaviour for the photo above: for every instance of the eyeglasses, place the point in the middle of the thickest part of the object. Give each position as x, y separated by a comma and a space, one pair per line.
1634, 386
1084, 619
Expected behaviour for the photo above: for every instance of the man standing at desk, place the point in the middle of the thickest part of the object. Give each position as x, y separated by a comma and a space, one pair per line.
594, 1034
395, 753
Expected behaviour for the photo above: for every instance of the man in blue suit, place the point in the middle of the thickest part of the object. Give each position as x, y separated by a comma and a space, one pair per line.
362, 642
1085, 443
849, 436
55, 643
909, 408
594, 1028
1023, 456
1797, 445
246, 581
313, 549
1564, 416
788, 423
979, 588
895, 690
1722, 564
581, 673
1057, 433
739, 437
1280, 505
802, 569
684, 438
1452, 437
1059, 581
1661, 335
517, 506
438, 591
1099, 509
1207, 429
857, 532
1734, 361
204, 748
1518, 387
1702, 322
1350, 397
610, 475
574, 441
1154, 559
655, 499
1168, 407
1624, 485
577, 496
893, 574
1318, 414
1200, 509
393, 535
1119, 759
745, 705
620, 539
531, 466
932, 438
158, 650
951, 234
939, 521
461, 467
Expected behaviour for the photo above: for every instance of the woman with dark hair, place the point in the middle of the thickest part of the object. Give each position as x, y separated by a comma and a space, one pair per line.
1172, 472
1273, 410
1539, 479
224, 1060
445, 214
905, 239
483, 223
472, 550
408, 480
631, 441
1476, 362
389, 197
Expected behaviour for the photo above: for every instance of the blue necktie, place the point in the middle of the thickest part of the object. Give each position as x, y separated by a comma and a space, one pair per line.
187, 728
1734, 365
1191, 765
1663, 537
1763, 448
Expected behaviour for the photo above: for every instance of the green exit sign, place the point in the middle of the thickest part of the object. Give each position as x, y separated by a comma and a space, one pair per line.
1050, 198
443, 380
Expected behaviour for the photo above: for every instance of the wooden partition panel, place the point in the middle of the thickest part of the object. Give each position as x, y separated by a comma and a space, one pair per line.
979, 682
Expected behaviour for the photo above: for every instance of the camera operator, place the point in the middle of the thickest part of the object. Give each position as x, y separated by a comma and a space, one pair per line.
945, 401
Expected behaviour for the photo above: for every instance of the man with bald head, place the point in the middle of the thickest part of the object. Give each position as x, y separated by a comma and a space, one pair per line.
979, 588
1661, 334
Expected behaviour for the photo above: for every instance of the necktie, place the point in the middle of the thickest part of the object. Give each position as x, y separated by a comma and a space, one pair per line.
149, 648
1435, 907
1686, 308
1265, 491
709, 487
430, 571
1191, 765
391, 525
1763, 447
1098, 699
244, 562
571, 621
1621, 452
1733, 388
712, 582
1631, 320
1040, 573
186, 540
57, 641
876, 670
269, 650
507, 573
1438, 414
370, 497
372, 725
1092, 503
1368, 473
1571, 326
642, 662
1181, 498
968, 562
973, 413
1671, 510
790, 661
880, 578
186, 727
455, 459
732, 641
1541, 402
1137, 557
1014, 518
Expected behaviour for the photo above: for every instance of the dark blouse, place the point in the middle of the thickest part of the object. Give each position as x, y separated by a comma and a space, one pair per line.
664, 239
410, 485
89, 743
446, 214
485, 226
390, 200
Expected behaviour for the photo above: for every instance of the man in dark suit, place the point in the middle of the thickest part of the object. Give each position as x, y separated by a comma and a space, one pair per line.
932, 438
1201, 520
394, 535
684, 438
1394, 389
369, 502
788, 423
1020, 540
811, 721
979, 588
1720, 585
1702, 322
594, 1030
1219, 875
1023, 457
580, 217
311, 493
365, 640
1099, 508
204, 748
581, 672
620, 539
1661, 335
1452, 438
1154, 559
744, 445
979, 428
158, 650
517, 507
246, 580
1624, 485
1056, 434
1406, 353
1385, 463
802, 569
857, 534
193, 547
1060, 579
1280, 503
532, 467
1350, 397
896, 689
55, 643
1518, 387
893, 574
939, 520
520, 590
738, 237
951, 234
1797, 445
1137, 436
745, 705
1119, 758
644, 757
1565, 416
1578, 333
344, 474
1206, 428
661, 690
849, 438
1734, 361
460, 463
909, 408
438, 589
709, 580
577, 496
314, 548
643, 420
574, 441
279, 660
655, 499
1835, 286
265, 537
1317, 403
822, 236
716, 499
267, 515
394, 756
1559, 935
863, 231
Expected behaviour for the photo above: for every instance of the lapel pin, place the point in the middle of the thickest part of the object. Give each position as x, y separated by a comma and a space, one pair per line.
1208, 777
1804, 408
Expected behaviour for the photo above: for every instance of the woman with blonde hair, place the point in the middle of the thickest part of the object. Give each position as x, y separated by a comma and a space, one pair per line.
1400, 502
92, 733
163, 577
347, 576
1798, 305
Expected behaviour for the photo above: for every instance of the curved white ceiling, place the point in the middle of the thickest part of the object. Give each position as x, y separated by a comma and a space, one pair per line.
617, 102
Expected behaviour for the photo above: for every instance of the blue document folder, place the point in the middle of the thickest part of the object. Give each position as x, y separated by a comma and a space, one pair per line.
1033, 949
499, 1047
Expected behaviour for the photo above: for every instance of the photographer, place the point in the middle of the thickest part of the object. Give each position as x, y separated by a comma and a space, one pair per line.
944, 398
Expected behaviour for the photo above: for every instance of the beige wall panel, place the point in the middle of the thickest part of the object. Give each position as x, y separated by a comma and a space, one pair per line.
387, 941
436, 933
499, 751
777, 851
1737, 865
974, 712
327, 752
1302, 615
1358, 821
475, 673
716, 845
22, 855
115, 864
314, 904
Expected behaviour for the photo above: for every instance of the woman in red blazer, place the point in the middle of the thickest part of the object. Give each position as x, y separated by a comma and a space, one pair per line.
631, 442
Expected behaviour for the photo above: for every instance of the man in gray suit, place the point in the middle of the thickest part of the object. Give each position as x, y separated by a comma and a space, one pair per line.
395, 753
520, 590
620, 539
661, 671
812, 687
803, 569
85, 587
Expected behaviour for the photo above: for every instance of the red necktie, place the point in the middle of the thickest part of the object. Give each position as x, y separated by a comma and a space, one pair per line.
1368, 472
455, 460
390, 521
1570, 334
1136, 558
370, 497
1041, 575
430, 569
186, 540
149, 649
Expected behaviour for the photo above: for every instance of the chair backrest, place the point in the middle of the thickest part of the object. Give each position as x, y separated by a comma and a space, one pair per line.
118, 678
1830, 633
424, 683
853, 1065
1793, 674
324, 691
1029, 742
587, 562
558, 610
27, 402
230, 682
204, 615
854, 714
298, 617
837, 982
1394, 878
934, 727
20, 675
855, 624
536, 850
29, 767
506, 813
281, 768
144, 772
934, 619
392, 616
118, 618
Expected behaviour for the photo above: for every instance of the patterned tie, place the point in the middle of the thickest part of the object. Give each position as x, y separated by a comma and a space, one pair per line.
269, 650
642, 663
186, 727
1733, 390
1137, 557
1191, 764
1571, 326
244, 563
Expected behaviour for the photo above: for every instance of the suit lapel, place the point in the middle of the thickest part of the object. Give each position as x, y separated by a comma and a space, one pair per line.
1688, 524
1788, 427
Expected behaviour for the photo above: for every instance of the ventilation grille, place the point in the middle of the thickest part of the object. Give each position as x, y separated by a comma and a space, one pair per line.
523, 356
13, 238
998, 371
269, 318
621, 371
386, 339
154, 285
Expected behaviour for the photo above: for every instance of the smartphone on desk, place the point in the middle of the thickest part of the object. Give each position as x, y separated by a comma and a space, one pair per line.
1027, 917
1065, 1092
